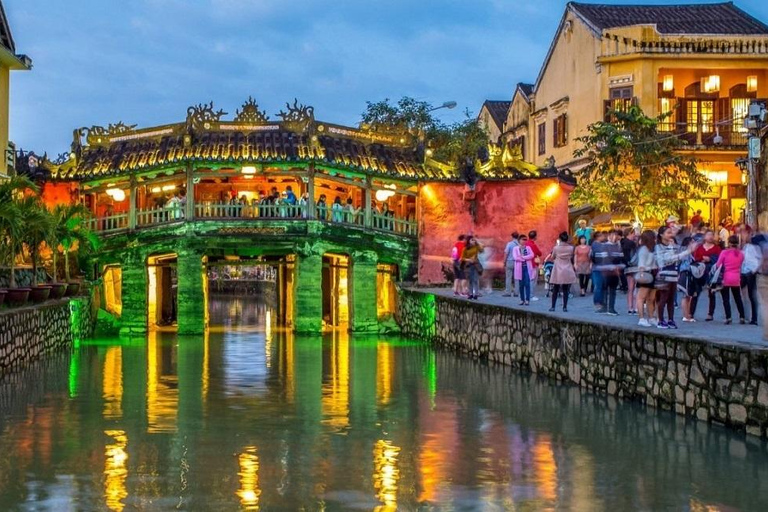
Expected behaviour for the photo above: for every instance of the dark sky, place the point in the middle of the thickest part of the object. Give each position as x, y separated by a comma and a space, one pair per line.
145, 61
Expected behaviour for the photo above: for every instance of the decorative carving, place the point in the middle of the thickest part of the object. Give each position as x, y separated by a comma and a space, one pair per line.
298, 117
98, 135
62, 158
250, 113
201, 115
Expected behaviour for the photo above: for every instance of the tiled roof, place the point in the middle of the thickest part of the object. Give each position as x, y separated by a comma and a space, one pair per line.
703, 19
498, 110
526, 89
277, 146
6, 39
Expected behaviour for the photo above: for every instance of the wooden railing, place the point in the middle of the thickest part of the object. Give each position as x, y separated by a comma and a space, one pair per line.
226, 211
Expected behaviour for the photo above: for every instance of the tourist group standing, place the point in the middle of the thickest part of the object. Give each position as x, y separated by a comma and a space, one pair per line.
659, 271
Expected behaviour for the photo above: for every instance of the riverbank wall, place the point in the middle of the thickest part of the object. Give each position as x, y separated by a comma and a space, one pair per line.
30, 333
712, 382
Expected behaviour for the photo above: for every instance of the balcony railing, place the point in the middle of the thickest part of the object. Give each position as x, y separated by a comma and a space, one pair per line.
120, 222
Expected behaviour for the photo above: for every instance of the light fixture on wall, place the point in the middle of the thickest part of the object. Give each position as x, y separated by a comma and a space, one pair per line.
248, 169
167, 188
117, 194
717, 178
710, 84
752, 83
383, 195
668, 83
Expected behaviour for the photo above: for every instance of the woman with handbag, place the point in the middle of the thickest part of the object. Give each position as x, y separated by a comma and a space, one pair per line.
563, 275
730, 261
645, 277
668, 258
707, 253
472, 266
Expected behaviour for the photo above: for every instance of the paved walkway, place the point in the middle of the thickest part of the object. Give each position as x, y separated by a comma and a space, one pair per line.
581, 308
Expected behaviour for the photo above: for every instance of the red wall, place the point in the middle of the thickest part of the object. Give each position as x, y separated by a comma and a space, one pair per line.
502, 207
55, 193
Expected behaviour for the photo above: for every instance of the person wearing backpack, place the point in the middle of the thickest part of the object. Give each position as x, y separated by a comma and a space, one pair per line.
459, 276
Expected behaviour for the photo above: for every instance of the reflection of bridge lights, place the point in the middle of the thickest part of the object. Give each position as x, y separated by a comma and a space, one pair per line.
115, 472
249, 491
385, 473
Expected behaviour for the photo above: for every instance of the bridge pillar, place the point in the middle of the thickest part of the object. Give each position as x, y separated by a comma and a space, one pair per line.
363, 293
133, 319
309, 294
191, 292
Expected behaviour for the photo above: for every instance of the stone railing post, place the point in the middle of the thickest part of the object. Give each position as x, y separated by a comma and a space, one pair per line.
311, 206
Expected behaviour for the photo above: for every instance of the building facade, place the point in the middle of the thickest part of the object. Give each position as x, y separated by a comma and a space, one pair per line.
9, 61
703, 63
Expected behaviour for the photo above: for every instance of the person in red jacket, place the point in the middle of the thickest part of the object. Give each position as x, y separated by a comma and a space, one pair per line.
707, 253
537, 254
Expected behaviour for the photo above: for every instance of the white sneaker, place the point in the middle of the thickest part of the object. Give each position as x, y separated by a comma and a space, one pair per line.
654, 321
534, 299
644, 323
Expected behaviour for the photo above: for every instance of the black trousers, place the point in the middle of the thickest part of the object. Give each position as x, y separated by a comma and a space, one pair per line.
736, 291
584, 281
556, 289
749, 281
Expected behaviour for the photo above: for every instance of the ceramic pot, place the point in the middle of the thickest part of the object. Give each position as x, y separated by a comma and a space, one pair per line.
40, 293
57, 290
17, 296
72, 289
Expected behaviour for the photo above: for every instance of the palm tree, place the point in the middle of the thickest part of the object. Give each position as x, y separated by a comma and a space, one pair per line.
38, 223
70, 230
12, 216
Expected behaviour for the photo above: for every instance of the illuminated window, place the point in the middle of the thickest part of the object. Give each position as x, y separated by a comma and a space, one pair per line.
707, 116
667, 106
739, 109
692, 117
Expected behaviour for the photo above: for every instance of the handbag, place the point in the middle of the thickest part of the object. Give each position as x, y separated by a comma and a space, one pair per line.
715, 282
644, 277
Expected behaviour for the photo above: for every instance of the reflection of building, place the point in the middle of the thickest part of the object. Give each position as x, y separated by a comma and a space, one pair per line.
703, 62
9, 61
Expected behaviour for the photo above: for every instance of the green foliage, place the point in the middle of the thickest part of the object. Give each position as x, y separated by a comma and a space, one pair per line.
70, 230
14, 212
452, 143
633, 167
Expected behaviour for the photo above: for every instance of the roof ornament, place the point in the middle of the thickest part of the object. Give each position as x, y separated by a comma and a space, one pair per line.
299, 117
200, 116
250, 113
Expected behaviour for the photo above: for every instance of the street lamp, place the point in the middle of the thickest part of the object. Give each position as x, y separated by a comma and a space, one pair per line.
447, 104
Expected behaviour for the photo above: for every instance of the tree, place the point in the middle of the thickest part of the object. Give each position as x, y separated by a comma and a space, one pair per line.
13, 214
38, 223
458, 144
634, 167
69, 230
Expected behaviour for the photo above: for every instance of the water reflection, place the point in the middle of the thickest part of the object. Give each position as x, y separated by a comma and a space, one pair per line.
253, 418
115, 472
249, 491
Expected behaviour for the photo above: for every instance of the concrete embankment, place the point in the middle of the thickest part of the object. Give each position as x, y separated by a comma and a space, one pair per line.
711, 381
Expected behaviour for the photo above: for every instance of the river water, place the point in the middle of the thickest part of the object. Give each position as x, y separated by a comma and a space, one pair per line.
248, 417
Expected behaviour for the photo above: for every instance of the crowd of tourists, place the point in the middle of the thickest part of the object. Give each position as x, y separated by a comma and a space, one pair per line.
660, 271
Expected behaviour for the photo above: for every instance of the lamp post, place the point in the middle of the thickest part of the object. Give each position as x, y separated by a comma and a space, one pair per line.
447, 104
754, 122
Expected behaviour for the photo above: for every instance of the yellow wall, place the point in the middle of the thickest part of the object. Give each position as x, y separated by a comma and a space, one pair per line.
4, 114
570, 73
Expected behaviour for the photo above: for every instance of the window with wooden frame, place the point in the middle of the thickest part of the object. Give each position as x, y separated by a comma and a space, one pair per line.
560, 131
542, 128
